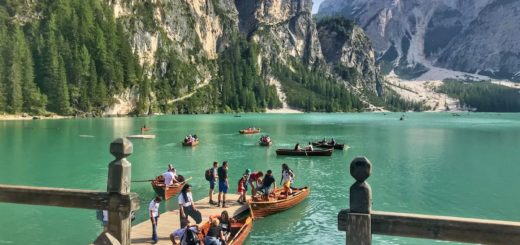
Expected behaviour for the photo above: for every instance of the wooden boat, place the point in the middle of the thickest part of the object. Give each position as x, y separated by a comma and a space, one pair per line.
326, 145
193, 143
141, 136
265, 143
292, 152
240, 229
250, 131
170, 191
260, 208
145, 129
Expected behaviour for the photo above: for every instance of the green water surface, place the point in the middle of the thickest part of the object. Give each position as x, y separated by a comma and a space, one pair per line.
430, 163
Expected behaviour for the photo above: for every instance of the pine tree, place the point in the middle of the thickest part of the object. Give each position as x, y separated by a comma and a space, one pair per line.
14, 72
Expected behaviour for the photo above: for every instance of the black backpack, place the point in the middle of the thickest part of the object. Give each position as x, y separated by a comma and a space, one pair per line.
190, 237
208, 174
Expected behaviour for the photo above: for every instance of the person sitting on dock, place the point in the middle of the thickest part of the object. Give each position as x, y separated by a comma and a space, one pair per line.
297, 147
184, 237
187, 206
214, 235
266, 184
153, 211
254, 180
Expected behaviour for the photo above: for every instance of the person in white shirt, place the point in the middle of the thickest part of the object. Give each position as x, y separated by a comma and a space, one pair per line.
187, 206
153, 211
170, 176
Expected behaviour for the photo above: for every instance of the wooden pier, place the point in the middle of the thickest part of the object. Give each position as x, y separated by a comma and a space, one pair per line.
169, 221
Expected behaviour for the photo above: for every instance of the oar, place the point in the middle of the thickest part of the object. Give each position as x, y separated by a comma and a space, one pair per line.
148, 180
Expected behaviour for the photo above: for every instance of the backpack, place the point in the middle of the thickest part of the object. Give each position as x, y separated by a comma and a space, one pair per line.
190, 238
209, 174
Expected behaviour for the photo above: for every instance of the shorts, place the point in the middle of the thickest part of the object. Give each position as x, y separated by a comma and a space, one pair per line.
222, 187
211, 184
287, 184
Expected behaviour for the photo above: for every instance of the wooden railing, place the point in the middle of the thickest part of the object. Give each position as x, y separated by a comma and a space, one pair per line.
360, 222
118, 199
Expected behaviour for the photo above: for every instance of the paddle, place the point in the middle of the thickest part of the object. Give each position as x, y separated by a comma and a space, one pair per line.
148, 180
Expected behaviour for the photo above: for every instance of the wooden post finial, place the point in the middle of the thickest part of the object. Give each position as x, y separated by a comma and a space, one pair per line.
118, 185
360, 191
121, 148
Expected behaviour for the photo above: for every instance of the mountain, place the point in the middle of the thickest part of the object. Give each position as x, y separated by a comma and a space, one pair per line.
111, 57
477, 36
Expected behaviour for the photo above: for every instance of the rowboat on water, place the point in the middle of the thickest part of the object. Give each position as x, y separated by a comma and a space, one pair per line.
262, 143
250, 131
240, 229
192, 143
170, 191
292, 152
141, 136
276, 203
325, 145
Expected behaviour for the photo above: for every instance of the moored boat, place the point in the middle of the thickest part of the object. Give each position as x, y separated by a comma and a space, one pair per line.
261, 208
170, 191
240, 229
250, 131
292, 152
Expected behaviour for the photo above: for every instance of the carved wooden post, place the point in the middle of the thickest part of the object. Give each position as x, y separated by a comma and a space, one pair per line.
356, 221
119, 174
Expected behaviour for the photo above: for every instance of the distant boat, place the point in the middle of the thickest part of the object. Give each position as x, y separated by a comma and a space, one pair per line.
261, 208
292, 152
237, 115
250, 131
326, 145
141, 136
193, 143
262, 143
455, 114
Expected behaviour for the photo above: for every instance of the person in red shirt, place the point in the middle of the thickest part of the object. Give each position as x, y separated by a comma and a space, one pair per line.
254, 180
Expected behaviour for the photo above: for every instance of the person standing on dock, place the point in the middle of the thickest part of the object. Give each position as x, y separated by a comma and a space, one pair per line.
222, 183
153, 210
187, 206
213, 176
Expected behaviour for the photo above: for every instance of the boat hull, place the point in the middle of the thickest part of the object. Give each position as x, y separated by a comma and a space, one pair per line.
265, 143
239, 231
246, 131
194, 143
261, 209
329, 146
290, 152
166, 193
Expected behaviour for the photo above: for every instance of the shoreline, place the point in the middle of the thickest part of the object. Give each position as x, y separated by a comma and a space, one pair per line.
27, 117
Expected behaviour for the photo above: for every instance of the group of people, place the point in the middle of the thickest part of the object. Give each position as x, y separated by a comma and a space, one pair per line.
190, 138
309, 147
331, 142
219, 228
265, 139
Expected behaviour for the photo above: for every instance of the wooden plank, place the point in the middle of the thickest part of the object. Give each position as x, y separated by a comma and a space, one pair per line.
358, 229
446, 228
440, 227
70, 198
169, 221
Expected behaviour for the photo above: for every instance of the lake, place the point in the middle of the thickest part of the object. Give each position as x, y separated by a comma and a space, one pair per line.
429, 163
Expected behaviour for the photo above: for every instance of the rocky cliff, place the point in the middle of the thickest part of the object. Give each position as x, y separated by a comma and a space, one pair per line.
197, 31
410, 35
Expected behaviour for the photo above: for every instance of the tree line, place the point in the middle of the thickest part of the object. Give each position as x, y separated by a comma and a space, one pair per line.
62, 56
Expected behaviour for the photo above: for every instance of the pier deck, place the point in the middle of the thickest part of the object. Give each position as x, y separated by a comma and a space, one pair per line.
169, 221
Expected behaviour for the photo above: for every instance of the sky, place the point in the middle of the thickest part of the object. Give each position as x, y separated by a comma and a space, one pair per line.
316, 5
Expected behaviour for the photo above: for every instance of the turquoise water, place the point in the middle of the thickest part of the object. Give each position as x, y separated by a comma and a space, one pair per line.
429, 163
